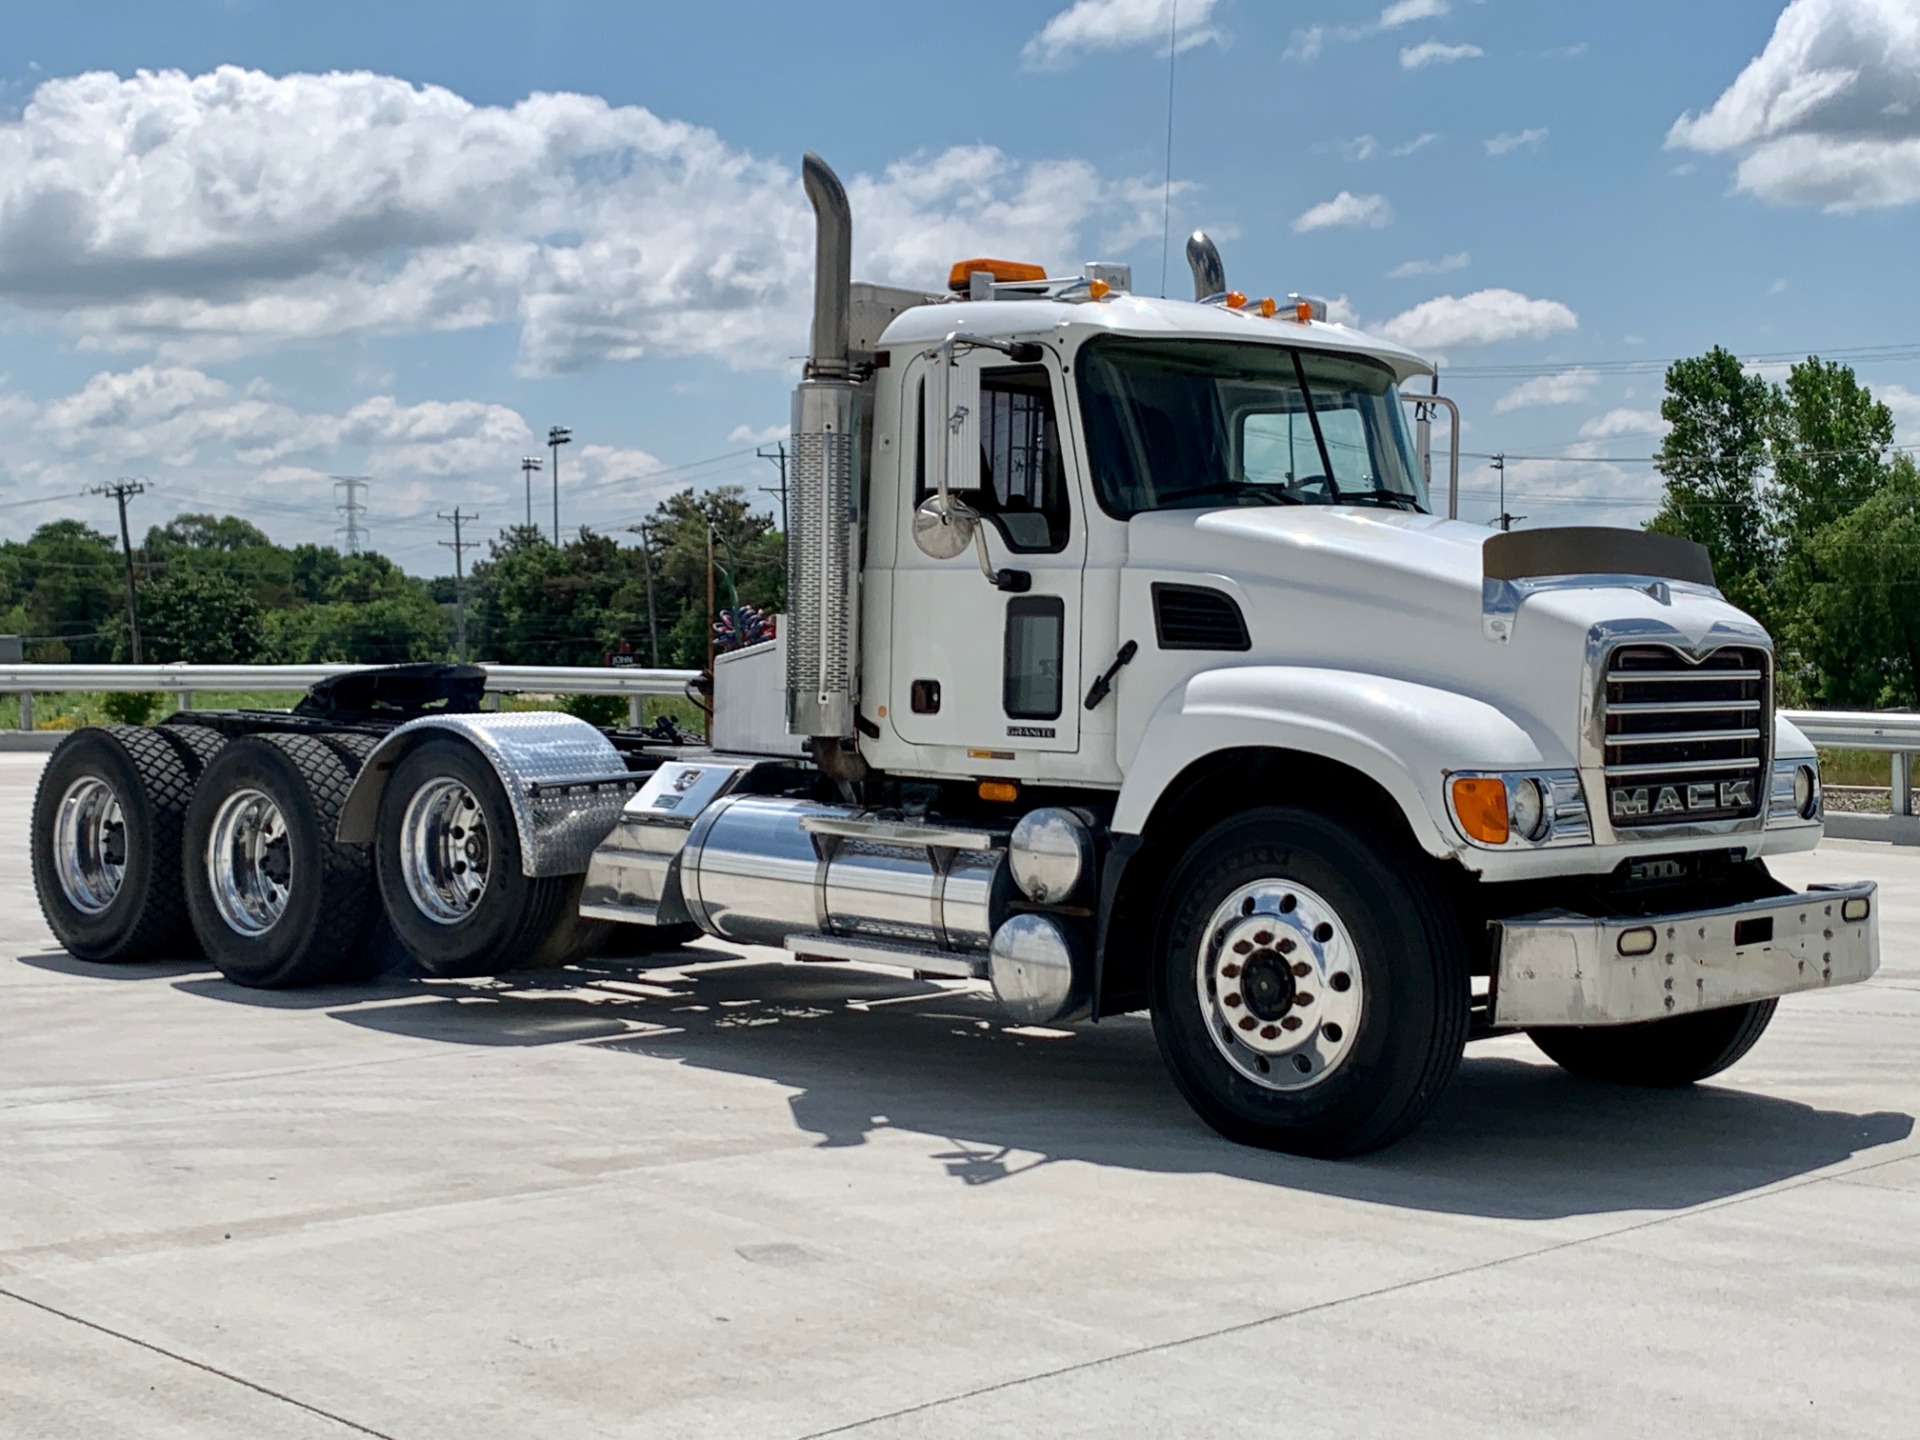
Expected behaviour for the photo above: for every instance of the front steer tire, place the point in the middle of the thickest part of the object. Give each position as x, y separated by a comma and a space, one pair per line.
298, 914
1666, 1053
1282, 890
514, 921
134, 907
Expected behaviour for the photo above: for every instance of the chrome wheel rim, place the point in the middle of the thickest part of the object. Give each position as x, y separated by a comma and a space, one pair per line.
90, 845
1280, 985
446, 852
250, 862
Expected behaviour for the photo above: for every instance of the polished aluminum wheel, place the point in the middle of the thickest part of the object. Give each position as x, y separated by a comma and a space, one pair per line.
250, 862
445, 851
90, 845
1280, 984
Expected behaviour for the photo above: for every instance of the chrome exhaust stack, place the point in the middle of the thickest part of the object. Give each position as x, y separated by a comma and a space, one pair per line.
1209, 271
823, 548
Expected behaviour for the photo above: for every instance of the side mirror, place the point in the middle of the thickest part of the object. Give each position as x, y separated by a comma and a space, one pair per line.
944, 526
950, 428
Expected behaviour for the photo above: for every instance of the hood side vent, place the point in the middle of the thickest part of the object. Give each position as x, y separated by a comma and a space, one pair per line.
1196, 617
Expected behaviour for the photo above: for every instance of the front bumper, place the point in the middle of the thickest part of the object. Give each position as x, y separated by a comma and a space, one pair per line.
1565, 969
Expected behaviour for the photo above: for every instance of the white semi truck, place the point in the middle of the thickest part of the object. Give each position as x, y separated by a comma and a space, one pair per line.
1128, 666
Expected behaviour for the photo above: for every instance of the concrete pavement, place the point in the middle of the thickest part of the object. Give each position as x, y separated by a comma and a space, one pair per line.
732, 1196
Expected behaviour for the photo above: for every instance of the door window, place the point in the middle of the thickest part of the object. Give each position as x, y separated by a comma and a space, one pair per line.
1023, 483
1036, 645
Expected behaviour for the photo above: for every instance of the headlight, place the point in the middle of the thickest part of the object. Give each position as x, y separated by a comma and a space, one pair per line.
1526, 809
1806, 791
1510, 811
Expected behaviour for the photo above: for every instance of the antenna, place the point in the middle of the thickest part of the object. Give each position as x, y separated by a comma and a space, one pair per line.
352, 510
1166, 201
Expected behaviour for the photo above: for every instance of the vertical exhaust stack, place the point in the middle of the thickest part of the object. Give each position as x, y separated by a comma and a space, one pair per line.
1209, 273
823, 548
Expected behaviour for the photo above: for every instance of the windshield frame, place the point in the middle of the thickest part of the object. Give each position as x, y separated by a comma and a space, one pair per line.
1396, 478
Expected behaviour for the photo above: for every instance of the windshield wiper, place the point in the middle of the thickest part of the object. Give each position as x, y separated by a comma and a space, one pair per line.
1380, 497
1232, 489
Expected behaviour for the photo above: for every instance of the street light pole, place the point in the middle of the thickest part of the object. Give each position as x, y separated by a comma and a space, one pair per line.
557, 436
528, 465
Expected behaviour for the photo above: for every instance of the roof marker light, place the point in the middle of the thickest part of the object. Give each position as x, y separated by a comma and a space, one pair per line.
1267, 308
1099, 289
1005, 272
1303, 312
1236, 300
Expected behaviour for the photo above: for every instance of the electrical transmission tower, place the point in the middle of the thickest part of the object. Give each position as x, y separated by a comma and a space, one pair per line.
459, 547
123, 490
352, 510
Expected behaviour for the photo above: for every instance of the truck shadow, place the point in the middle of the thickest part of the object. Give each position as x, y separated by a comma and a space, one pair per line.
1514, 1137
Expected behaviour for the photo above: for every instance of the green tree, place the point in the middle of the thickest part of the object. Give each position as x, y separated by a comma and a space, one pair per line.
386, 630
201, 617
1861, 610
65, 589
1831, 443
1715, 463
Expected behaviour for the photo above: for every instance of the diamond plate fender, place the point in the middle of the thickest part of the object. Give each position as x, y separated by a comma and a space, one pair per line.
531, 753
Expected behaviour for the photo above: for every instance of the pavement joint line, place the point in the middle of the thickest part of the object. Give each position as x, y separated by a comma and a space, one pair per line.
1164, 1346
201, 1365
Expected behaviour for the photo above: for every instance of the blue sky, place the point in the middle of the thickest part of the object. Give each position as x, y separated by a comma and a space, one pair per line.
403, 239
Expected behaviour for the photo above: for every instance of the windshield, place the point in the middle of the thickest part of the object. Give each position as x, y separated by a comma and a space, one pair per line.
1180, 424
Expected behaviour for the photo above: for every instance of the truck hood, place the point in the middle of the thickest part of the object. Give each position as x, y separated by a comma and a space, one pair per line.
1392, 593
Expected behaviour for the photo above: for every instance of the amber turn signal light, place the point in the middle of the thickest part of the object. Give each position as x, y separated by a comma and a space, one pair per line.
1000, 792
1480, 802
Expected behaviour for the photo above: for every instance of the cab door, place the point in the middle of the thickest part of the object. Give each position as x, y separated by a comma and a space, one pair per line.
975, 665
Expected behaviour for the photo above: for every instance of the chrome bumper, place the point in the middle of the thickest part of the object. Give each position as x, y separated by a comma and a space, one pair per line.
1563, 969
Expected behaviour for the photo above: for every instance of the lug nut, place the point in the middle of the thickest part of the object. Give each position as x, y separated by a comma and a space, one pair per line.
1302, 970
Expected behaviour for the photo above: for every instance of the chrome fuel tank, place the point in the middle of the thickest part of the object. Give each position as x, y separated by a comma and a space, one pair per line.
757, 870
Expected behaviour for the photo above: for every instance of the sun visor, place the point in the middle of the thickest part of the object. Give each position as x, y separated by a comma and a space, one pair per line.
1594, 550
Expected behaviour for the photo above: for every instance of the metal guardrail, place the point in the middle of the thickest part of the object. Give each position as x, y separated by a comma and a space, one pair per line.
1890, 732
183, 680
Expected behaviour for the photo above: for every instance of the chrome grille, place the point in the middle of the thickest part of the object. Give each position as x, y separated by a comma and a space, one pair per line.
1686, 740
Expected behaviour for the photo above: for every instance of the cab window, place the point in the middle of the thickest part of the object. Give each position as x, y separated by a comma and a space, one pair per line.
1023, 485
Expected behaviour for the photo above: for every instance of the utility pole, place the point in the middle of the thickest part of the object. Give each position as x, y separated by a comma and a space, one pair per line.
557, 436
529, 465
709, 736
352, 510
123, 490
459, 548
779, 458
646, 566
1500, 465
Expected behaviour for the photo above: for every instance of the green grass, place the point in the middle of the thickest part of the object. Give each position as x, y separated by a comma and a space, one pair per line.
1855, 767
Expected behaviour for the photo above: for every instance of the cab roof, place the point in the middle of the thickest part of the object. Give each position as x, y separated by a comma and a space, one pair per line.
1142, 316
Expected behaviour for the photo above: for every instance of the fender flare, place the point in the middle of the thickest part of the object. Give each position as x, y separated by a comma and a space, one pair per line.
1405, 736
558, 830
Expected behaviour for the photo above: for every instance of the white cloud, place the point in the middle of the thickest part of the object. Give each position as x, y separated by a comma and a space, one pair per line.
761, 435
1482, 318
1419, 142
1341, 311
1361, 147
1405, 12
1828, 114
1569, 387
1346, 208
1306, 44
1444, 265
1434, 52
1624, 421
1905, 405
1088, 25
212, 216
1519, 140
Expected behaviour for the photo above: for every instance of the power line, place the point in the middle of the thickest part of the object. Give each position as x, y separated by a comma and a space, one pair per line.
1858, 354
123, 490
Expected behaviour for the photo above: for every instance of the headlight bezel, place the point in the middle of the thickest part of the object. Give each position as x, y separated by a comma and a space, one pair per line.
1796, 796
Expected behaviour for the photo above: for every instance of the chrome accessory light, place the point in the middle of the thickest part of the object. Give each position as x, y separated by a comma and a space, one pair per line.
1050, 855
1794, 797
1039, 975
1531, 809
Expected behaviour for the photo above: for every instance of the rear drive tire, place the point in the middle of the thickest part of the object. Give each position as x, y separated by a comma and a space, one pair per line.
447, 856
1311, 990
1662, 1053
107, 838
275, 899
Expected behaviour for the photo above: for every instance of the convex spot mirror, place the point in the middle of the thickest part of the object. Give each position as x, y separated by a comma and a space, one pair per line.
944, 526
